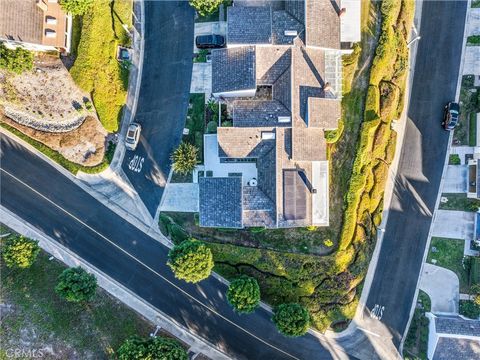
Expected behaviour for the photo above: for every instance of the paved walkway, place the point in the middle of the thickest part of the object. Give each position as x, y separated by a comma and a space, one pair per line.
443, 288
455, 180
453, 224
180, 198
201, 79
474, 22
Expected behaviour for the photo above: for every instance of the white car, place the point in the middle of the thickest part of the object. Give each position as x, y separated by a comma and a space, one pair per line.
133, 136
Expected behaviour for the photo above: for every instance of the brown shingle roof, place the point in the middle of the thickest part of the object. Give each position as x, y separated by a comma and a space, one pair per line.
323, 113
26, 21
322, 23
243, 142
309, 144
21, 20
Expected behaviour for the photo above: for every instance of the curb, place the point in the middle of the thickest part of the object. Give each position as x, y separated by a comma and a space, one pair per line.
113, 287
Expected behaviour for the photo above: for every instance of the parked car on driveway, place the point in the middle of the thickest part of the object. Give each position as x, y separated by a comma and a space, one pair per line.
133, 136
451, 116
210, 41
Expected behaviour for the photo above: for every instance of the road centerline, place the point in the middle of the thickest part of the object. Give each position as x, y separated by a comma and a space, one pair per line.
146, 266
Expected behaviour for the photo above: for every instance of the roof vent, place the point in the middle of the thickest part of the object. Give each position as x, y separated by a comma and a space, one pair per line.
327, 87
291, 33
342, 12
49, 33
252, 182
284, 119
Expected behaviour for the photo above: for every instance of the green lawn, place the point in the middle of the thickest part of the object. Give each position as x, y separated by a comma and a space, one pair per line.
472, 138
449, 255
473, 40
195, 122
475, 3
459, 202
454, 159
96, 69
41, 318
469, 103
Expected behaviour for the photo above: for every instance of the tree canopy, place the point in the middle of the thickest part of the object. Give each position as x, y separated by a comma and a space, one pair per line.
206, 7
291, 319
191, 261
75, 7
76, 285
184, 158
163, 348
16, 60
20, 252
244, 294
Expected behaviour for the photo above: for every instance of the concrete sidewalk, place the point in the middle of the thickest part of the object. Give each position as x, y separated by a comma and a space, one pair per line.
442, 286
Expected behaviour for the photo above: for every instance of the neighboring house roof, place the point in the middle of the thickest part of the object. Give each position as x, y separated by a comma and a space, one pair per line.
21, 20
322, 23
36, 22
233, 69
453, 338
249, 25
220, 202
457, 326
456, 349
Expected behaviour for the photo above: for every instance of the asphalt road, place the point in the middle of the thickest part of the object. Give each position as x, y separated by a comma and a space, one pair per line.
421, 163
163, 97
50, 202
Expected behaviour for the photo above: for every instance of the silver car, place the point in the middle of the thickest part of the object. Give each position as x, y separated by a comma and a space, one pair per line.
133, 136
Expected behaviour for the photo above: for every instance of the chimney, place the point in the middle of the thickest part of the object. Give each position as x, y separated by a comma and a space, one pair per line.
327, 87
342, 12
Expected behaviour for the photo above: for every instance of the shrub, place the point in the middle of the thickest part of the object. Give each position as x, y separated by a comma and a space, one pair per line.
469, 309
184, 158
473, 40
244, 294
191, 261
291, 319
136, 348
212, 127
454, 159
17, 60
20, 252
205, 7
328, 243
475, 291
76, 285
75, 7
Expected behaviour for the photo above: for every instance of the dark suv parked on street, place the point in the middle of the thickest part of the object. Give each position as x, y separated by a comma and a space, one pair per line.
210, 41
451, 116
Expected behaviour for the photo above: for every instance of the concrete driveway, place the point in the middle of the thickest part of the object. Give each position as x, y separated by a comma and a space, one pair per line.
455, 180
180, 197
453, 224
201, 79
443, 288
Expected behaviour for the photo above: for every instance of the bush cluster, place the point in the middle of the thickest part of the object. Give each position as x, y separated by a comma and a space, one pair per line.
244, 294
76, 285
191, 261
159, 347
20, 252
17, 60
